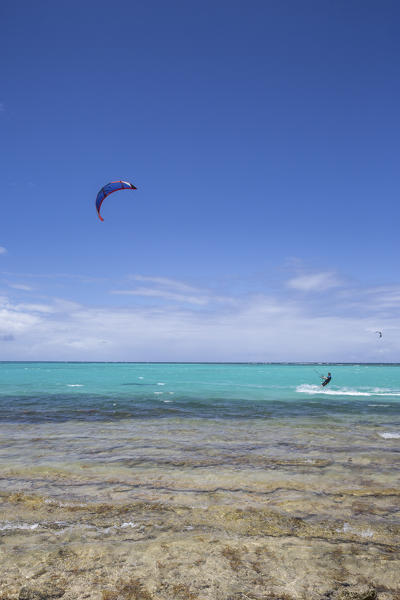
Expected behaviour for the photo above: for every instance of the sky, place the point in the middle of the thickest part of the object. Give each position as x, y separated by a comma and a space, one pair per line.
264, 140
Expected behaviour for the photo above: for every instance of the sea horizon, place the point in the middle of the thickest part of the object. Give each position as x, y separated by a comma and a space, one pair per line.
202, 362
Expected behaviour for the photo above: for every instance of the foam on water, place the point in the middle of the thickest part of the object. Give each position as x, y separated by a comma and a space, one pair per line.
15, 526
344, 391
390, 436
347, 528
315, 389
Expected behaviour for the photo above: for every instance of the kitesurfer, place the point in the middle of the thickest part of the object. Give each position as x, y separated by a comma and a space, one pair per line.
326, 380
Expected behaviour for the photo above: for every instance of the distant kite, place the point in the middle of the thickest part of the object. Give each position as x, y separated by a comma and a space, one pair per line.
379, 333
108, 189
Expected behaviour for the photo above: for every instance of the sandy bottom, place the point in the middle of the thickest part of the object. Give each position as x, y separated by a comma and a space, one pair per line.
184, 511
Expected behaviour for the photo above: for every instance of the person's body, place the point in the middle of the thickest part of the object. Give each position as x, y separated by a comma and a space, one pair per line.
326, 380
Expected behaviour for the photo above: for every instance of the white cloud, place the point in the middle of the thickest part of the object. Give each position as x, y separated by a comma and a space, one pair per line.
258, 328
3, 250
178, 322
314, 282
13, 321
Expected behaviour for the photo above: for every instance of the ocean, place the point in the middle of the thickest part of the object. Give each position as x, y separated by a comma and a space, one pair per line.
199, 481
56, 392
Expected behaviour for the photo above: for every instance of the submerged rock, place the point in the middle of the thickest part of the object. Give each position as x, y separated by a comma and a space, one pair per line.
357, 593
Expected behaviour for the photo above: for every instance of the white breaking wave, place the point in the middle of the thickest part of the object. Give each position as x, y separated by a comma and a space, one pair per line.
74, 384
317, 389
390, 436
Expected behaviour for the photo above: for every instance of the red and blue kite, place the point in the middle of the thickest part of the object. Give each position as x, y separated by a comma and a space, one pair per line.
113, 186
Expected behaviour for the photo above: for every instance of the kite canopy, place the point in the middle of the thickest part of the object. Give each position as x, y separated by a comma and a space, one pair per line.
113, 186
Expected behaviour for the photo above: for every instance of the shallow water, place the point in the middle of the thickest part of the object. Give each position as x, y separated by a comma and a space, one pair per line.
199, 481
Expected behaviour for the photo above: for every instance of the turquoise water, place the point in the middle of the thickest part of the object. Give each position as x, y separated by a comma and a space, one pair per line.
42, 392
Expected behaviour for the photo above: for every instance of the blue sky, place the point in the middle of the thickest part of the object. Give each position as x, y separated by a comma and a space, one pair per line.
263, 138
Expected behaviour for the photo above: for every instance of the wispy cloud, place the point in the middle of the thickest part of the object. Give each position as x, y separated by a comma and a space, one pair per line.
164, 294
314, 282
35, 308
3, 250
168, 319
259, 328
165, 282
378, 299
172, 290
20, 286
68, 276
384, 297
